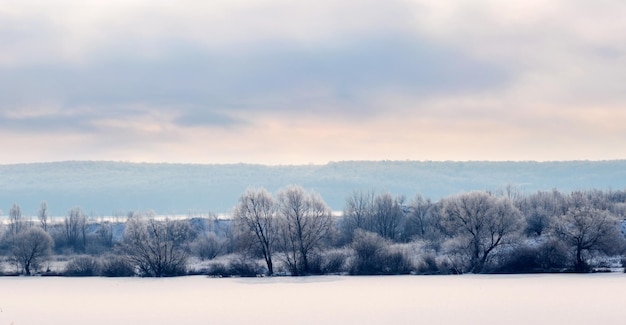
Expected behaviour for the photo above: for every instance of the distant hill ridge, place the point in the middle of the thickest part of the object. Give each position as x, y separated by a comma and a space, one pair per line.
105, 188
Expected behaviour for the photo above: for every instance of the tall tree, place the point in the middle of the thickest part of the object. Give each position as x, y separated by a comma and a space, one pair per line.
155, 247
15, 219
31, 246
585, 229
420, 222
387, 216
540, 209
255, 215
75, 229
357, 213
42, 215
305, 222
479, 223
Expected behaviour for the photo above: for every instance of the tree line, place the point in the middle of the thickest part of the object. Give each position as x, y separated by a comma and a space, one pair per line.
295, 233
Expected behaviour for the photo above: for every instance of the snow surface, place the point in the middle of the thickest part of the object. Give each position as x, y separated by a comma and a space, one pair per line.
467, 299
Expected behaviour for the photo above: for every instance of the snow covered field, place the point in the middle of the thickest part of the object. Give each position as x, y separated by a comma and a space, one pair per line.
467, 299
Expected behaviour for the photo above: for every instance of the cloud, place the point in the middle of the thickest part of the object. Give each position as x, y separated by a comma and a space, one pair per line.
418, 79
273, 78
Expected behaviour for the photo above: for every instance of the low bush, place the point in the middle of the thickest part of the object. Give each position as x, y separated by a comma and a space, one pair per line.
523, 259
548, 257
328, 262
116, 266
83, 265
216, 270
245, 268
207, 246
334, 262
397, 261
429, 265
238, 267
373, 255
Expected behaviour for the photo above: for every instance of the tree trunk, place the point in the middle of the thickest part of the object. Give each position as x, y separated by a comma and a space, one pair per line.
270, 267
580, 263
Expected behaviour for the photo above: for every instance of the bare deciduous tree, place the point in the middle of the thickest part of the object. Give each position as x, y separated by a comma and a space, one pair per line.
421, 221
357, 213
207, 245
368, 248
256, 215
387, 216
418, 218
31, 246
15, 220
75, 229
42, 215
155, 247
105, 234
305, 222
479, 223
585, 229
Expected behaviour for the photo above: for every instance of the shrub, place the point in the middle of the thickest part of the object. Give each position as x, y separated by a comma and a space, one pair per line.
315, 265
217, 270
374, 255
244, 268
368, 248
551, 256
238, 267
429, 265
156, 248
334, 262
396, 261
116, 266
448, 264
328, 262
207, 246
520, 260
83, 265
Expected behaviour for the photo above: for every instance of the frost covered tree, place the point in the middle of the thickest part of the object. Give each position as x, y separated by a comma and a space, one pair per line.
15, 220
387, 216
357, 213
585, 229
421, 220
255, 215
156, 248
540, 209
305, 221
75, 229
30, 248
369, 249
207, 245
42, 215
478, 224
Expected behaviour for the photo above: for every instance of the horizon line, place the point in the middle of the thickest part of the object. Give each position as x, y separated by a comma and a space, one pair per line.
330, 162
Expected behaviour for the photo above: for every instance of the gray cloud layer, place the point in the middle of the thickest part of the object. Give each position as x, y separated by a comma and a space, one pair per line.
518, 73
204, 87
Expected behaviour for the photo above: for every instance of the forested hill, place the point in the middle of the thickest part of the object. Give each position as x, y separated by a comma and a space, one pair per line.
105, 188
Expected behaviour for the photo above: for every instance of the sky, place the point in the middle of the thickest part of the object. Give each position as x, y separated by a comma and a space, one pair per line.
299, 82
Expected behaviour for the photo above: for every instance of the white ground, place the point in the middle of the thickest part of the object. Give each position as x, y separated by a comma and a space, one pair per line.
468, 299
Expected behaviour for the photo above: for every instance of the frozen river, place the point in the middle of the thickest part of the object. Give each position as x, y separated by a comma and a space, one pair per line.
467, 299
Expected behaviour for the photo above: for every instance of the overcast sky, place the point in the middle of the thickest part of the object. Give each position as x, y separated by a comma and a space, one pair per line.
290, 82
